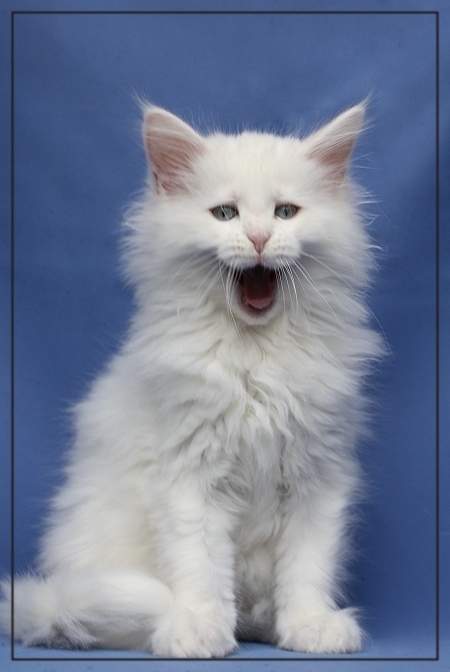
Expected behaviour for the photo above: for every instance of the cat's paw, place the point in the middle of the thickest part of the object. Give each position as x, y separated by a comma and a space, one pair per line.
328, 632
182, 633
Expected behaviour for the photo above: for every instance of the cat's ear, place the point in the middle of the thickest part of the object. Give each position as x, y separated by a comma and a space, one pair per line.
333, 144
171, 146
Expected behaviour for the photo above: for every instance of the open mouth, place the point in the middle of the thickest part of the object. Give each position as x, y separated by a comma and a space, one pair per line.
258, 289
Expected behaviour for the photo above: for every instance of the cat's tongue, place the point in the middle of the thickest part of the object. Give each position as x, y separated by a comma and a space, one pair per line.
257, 284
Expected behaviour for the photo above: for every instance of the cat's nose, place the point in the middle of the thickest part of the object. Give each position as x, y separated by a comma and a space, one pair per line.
258, 240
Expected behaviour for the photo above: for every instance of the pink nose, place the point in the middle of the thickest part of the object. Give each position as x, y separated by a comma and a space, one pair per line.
258, 240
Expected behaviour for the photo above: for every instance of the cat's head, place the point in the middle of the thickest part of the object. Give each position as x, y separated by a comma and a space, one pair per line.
253, 205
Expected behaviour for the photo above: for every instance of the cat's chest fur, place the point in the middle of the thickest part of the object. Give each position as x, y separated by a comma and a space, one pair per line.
261, 450
263, 393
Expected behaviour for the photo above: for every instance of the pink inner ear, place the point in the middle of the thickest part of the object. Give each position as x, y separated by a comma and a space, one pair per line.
170, 154
333, 144
334, 157
172, 147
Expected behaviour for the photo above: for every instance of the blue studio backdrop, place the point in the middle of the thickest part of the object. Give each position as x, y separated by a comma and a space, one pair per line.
77, 162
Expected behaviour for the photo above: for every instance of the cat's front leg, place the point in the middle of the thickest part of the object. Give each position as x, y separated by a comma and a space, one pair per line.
196, 561
307, 558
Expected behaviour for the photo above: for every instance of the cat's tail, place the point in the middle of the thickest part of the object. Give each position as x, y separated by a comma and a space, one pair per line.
114, 609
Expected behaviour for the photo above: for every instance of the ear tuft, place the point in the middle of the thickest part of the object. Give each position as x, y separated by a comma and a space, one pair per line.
333, 144
172, 146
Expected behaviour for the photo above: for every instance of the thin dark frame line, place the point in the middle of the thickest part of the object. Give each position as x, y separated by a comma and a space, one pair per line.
223, 12
437, 355
437, 359
209, 661
12, 339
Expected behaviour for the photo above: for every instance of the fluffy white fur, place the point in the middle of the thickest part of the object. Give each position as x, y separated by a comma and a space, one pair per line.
208, 489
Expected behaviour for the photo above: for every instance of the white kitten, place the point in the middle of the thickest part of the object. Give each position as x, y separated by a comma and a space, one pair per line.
207, 492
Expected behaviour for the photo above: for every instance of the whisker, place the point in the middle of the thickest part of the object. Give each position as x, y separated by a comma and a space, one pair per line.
198, 275
347, 284
278, 276
305, 293
311, 282
288, 284
290, 273
194, 267
215, 274
194, 259
199, 265
226, 287
331, 270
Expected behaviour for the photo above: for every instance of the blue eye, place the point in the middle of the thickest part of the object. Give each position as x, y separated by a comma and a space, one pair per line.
286, 210
224, 212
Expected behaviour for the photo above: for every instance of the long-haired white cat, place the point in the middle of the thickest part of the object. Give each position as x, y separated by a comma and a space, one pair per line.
208, 489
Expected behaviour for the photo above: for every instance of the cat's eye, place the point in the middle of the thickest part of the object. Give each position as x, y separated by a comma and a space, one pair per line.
286, 210
224, 212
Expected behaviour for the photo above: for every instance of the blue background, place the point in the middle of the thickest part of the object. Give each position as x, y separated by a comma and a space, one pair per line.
78, 160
